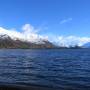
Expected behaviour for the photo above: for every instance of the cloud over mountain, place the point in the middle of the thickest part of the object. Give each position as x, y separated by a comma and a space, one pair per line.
29, 33
71, 40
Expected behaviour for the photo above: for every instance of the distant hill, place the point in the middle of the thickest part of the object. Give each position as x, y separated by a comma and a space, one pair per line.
7, 42
86, 45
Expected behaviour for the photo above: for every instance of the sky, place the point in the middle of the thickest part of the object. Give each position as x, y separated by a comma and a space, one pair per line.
56, 20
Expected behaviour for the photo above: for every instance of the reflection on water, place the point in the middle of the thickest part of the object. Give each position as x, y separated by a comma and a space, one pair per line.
66, 68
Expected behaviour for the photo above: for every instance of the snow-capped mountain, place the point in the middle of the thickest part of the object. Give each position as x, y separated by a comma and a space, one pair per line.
7, 42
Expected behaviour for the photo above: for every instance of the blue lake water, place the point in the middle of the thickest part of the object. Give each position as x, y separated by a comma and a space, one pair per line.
67, 69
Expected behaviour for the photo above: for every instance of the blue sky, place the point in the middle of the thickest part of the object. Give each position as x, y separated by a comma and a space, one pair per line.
57, 17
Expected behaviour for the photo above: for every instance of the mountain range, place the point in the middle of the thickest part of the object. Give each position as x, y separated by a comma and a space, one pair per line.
7, 42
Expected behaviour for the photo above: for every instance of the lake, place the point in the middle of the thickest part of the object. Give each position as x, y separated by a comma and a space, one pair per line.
59, 69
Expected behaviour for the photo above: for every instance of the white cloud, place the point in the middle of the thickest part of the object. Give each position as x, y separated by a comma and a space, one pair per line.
65, 20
